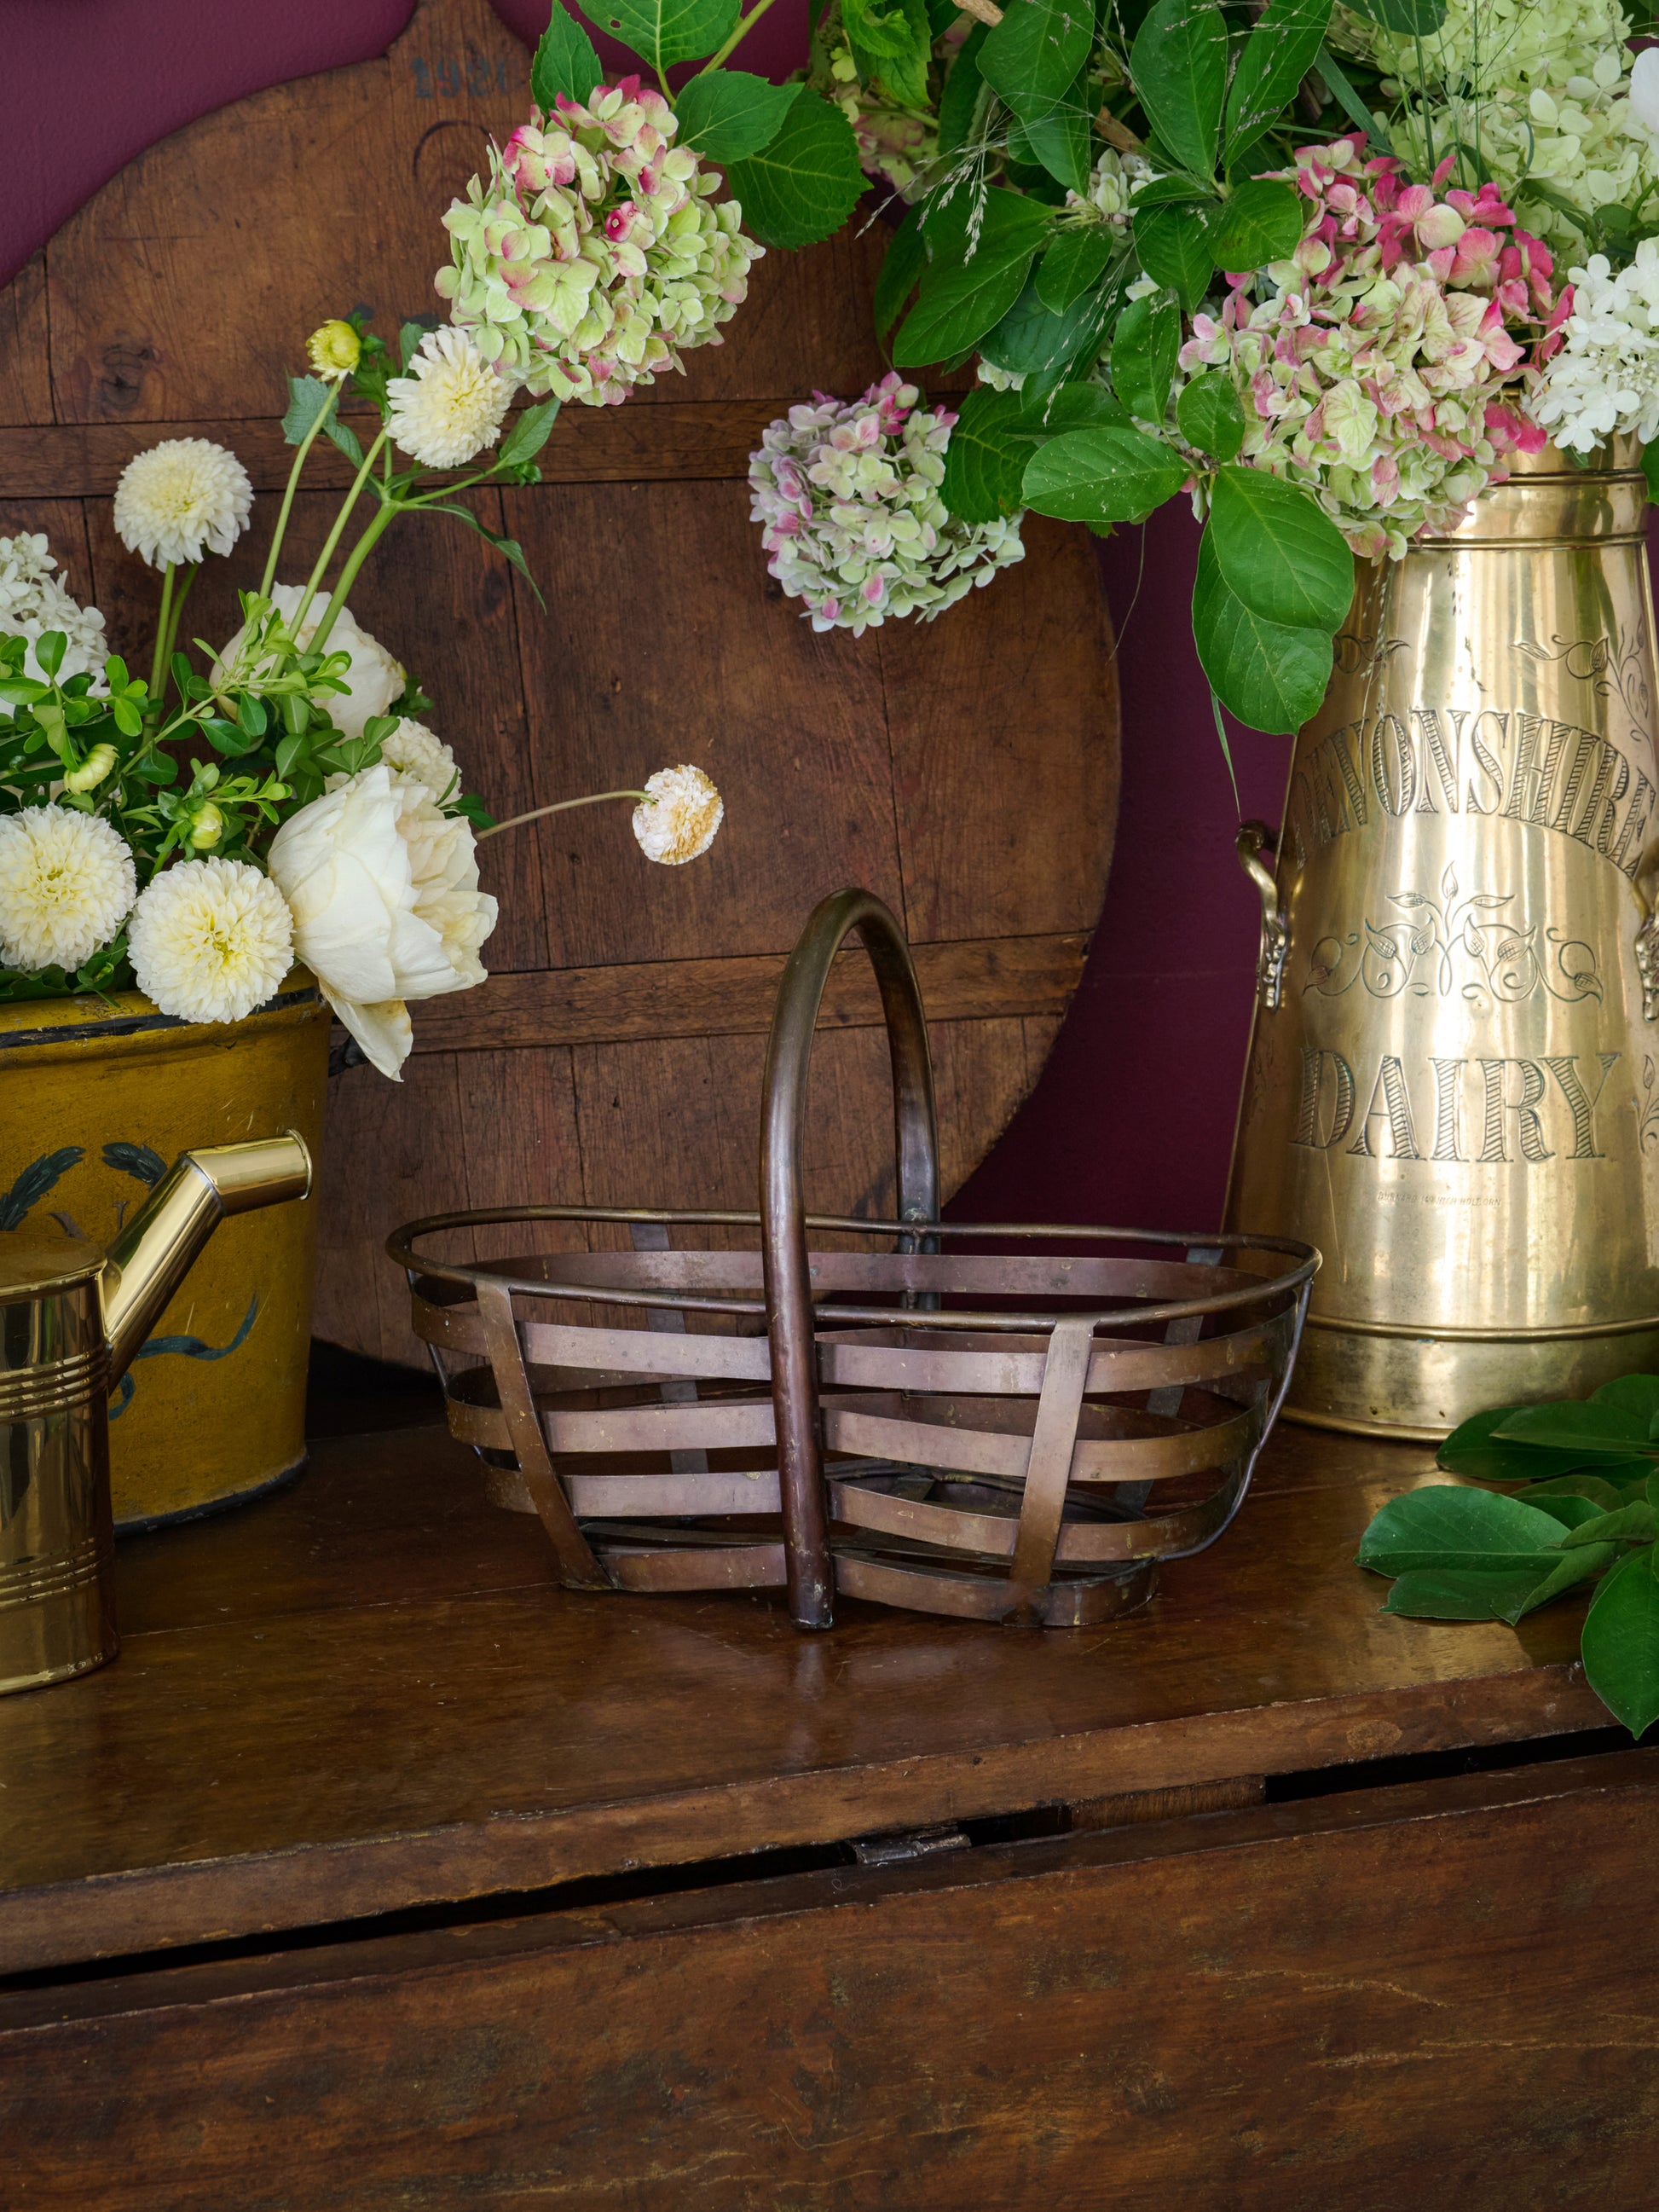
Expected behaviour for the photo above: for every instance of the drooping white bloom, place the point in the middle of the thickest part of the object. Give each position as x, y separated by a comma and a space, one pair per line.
66, 885
210, 940
182, 497
34, 600
1645, 88
417, 754
375, 678
678, 819
451, 405
384, 890
1604, 379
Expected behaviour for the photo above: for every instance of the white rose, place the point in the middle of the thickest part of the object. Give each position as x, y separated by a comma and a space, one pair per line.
383, 891
375, 678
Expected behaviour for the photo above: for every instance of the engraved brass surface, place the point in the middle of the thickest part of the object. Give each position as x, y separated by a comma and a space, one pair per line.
1457, 1096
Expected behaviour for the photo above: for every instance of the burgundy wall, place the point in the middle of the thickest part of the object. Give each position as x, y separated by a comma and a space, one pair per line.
1133, 1116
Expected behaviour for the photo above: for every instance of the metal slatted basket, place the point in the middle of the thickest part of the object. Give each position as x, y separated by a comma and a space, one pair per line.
1001, 1422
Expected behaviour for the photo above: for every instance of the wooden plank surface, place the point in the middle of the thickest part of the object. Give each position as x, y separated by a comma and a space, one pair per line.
366, 1692
1444, 1994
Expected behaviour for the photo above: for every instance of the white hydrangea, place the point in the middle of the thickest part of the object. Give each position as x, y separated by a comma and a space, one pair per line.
1112, 183
33, 600
210, 940
450, 407
182, 498
67, 883
1604, 379
677, 819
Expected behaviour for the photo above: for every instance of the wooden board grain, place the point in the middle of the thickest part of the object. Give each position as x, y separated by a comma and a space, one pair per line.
966, 770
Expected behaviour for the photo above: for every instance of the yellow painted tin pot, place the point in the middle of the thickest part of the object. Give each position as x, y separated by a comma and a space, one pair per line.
97, 1097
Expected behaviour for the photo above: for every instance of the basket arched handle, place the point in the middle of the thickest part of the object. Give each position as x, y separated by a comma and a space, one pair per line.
783, 1210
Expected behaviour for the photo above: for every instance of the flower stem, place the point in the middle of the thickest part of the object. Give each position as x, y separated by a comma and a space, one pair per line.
745, 24
163, 618
293, 485
384, 519
330, 544
559, 806
167, 637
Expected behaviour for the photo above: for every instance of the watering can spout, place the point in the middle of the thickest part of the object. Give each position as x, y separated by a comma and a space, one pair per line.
158, 1247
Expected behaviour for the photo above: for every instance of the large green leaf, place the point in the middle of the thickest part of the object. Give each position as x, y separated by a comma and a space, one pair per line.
902, 265
1059, 138
1632, 1523
995, 437
1590, 1431
727, 113
1462, 1593
1271, 675
565, 62
308, 396
1076, 261
1445, 1524
1277, 54
1261, 221
1620, 1644
1108, 474
891, 40
1144, 345
962, 300
1032, 341
663, 31
1178, 66
1278, 551
1576, 1490
1211, 420
965, 91
802, 186
1471, 1449
1173, 246
1638, 1395
1034, 55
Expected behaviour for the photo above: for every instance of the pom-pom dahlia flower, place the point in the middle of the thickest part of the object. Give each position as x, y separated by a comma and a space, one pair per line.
1377, 366
853, 521
677, 819
182, 498
210, 940
67, 883
451, 405
592, 256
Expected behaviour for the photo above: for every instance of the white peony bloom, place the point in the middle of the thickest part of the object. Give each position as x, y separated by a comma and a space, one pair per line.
451, 405
386, 907
182, 496
66, 885
1645, 88
677, 817
210, 940
415, 755
1604, 379
375, 679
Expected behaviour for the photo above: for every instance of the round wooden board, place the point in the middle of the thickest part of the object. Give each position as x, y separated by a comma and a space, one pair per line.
967, 769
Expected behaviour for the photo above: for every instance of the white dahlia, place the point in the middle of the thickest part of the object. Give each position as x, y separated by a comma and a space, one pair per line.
66, 886
210, 940
679, 815
182, 496
374, 679
451, 404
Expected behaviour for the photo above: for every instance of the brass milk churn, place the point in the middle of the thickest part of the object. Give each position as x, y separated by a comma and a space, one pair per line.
71, 1317
1453, 1086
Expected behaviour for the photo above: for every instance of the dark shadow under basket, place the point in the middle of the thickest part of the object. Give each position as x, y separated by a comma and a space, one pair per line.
999, 1422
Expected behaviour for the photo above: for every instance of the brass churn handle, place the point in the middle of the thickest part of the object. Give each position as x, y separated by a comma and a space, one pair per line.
1645, 884
1253, 838
783, 1208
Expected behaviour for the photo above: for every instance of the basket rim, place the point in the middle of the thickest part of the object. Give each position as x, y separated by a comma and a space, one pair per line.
1307, 1259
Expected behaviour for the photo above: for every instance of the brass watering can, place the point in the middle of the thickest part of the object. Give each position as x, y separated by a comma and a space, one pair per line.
71, 1318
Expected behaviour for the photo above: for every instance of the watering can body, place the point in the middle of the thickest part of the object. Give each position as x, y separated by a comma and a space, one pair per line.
71, 1317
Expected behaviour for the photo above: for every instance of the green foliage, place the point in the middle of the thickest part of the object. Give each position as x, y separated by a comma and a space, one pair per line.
1621, 1642
526, 433
663, 31
1113, 474
1075, 262
1272, 675
1261, 221
1277, 54
965, 94
1035, 55
902, 266
1034, 342
1278, 551
1599, 1429
1210, 419
1058, 140
1143, 349
802, 186
891, 40
565, 62
1173, 246
997, 434
727, 114
961, 299
1179, 66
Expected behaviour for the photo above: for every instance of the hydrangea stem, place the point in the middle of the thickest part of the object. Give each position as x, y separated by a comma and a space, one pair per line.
559, 806
292, 486
745, 24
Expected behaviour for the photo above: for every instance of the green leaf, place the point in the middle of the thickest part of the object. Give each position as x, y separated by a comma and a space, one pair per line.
1278, 551
1632, 1524
1060, 139
1637, 1394
308, 396
1073, 264
1173, 246
727, 113
891, 40
565, 62
1174, 192
985, 460
1577, 1490
902, 264
962, 300
1408, 18
1143, 349
965, 91
343, 436
1444, 1525
128, 720
663, 31
1277, 54
1581, 1565
1471, 1449
1569, 1507
1651, 469
1462, 1593
1210, 417
526, 433
1178, 65
1261, 221
251, 714
509, 548
49, 650
802, 186
1034, 55
1109, 475
1620, 1644
1031, 341
1271, 675
1590, 1431
1347, 98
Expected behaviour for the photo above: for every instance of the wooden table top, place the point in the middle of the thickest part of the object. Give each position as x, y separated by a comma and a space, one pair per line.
367, 1693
